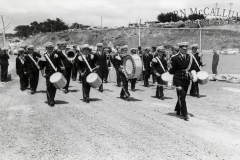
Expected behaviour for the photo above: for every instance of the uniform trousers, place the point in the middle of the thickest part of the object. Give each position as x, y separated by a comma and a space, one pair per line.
4, 73
159, 91
85, 86
51, 90
124, 80
181, 103
101, 74
67, 75
34, 77
22, 77
146, 75
194, 88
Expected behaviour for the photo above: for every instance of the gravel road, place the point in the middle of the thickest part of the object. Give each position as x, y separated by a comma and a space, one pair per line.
109, 128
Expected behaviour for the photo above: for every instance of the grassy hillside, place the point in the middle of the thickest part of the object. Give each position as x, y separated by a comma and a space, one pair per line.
153, 36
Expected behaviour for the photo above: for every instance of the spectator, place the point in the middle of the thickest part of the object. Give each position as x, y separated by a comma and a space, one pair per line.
4, 64
215, 61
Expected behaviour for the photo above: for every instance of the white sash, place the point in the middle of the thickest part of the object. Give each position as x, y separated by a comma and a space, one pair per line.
34, 62
160, 64
195, 61
21, 60
48, 59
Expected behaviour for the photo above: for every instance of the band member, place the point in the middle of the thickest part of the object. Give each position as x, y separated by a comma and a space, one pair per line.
67, 65
124, 92
25, 53
74, 63
159, 66
153, 53
50, 69
101, 61
107, 51
31, 68
194, 91
134, 80
117, 63
20, 68
181, 64
85, 59
4, 64
147, 59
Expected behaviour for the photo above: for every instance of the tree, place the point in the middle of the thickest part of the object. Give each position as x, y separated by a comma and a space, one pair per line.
168, 17
22, 30
196, 16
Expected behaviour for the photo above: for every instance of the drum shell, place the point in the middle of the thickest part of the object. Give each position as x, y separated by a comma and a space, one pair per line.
94, 80
202, 80
59, 83
167, 78
136, 65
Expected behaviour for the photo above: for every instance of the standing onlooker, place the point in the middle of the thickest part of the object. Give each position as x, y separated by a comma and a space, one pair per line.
215, 61
4, 64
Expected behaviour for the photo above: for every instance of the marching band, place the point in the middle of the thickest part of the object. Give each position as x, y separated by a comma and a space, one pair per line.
93, 68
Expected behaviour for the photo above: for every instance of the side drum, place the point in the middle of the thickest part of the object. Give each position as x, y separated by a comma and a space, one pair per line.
94, 80
202, 77
132, 65
167, 78
58, 80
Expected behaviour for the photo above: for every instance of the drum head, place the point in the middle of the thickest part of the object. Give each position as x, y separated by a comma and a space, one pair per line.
55, 77
202, 75
92, 77
129, 66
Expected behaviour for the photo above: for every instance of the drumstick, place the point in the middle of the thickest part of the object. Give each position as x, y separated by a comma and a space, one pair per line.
163, 85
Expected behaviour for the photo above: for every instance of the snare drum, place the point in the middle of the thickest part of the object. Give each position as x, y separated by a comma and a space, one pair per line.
167, 78
94, 80
132, 65
202, 77
58, 80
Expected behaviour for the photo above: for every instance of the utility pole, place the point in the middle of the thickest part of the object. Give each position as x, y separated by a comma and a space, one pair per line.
3, 32
101, 22
216, 9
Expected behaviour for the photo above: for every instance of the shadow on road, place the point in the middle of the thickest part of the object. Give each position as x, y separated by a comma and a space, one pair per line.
130, 99
108, 90
74, 90
60, 102
163, 97
41, 91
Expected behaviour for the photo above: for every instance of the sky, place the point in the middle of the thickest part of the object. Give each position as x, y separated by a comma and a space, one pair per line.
89, 12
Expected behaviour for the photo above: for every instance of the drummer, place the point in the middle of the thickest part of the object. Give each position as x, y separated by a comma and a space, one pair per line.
181, 65
124, 92
159, 66
84, 71
194, 91
117, 63
49, 70
134, 80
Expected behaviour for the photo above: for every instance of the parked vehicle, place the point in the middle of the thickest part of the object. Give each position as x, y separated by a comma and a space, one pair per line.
229, 51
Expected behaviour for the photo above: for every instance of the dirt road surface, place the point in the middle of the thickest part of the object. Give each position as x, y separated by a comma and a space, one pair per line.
109, 128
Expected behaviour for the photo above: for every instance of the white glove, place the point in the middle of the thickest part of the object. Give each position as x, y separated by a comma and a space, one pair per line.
80, 58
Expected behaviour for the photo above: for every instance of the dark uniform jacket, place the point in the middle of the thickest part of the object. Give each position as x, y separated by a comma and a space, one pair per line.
29, 65
215, 59
156, 66
48, 67
147, 59
194, 65
179, 65
101, 60
19, 66
64, 61
116, 62
4, 59
82, 65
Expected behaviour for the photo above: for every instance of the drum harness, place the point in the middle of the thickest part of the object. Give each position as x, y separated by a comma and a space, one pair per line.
34, 61
48, 59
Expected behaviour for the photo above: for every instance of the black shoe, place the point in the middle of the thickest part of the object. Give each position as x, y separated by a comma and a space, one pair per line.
66, 91
32, 92
186, 117
100, 90
162, 97
119, 85
178, 113
122, 97
52, 103
198, 96
86, 100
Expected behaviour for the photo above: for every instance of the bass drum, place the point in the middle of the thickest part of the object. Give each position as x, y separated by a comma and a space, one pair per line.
94, 80
202, 77
132, 65
58, 80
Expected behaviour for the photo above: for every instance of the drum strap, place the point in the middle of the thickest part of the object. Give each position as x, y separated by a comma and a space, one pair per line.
48, 59
21, 59
34, 61
63, 51
196, 61
160, 64
87, 63
190, 63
